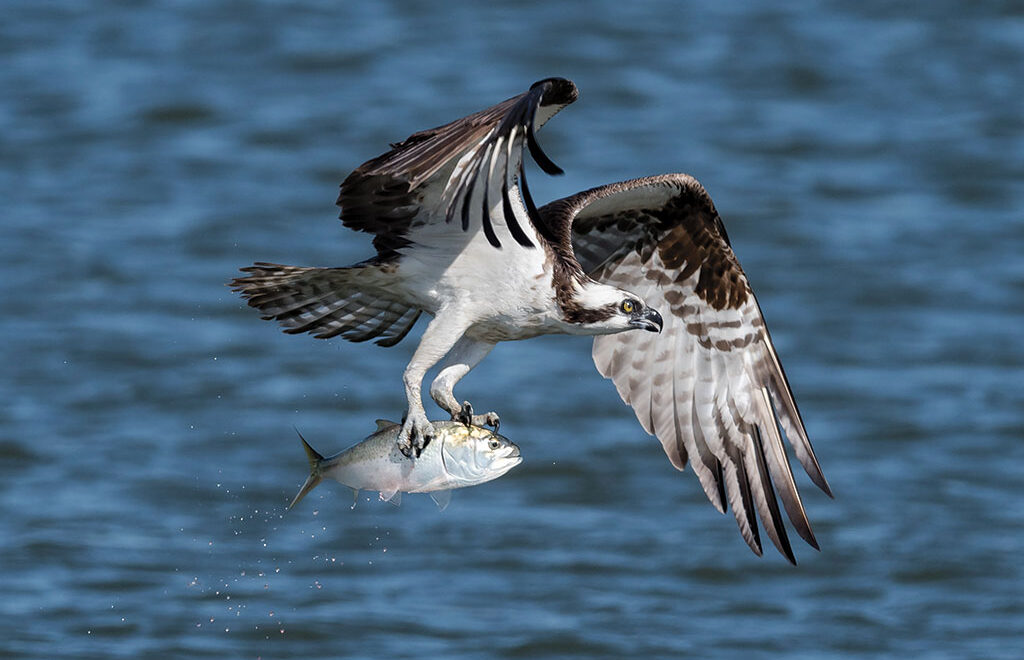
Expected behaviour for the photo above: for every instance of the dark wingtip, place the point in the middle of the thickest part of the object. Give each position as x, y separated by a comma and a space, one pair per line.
559, 91
510, 219
787, 551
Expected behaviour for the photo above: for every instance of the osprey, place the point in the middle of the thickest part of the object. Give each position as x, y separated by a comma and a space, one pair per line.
644, 266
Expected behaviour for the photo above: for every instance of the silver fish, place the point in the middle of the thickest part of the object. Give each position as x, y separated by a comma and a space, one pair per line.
459, 455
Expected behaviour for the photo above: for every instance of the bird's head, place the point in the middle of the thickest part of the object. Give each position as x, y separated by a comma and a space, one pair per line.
599, 309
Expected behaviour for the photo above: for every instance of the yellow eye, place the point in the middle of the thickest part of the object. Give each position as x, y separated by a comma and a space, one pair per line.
628, 306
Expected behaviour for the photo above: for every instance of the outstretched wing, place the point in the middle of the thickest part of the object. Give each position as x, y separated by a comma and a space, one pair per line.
455, 173
710, 386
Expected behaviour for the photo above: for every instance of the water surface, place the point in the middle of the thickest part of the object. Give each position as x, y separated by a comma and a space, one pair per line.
868, 161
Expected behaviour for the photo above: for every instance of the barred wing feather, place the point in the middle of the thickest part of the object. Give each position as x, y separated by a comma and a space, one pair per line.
710, 386
455, 174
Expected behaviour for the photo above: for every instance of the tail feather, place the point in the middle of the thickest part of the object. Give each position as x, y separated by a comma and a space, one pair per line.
351, 302
315, 475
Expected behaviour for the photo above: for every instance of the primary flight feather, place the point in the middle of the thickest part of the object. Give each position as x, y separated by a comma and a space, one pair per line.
644, 266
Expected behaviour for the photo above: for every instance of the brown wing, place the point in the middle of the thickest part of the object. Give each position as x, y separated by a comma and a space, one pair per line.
438, 175
710, 386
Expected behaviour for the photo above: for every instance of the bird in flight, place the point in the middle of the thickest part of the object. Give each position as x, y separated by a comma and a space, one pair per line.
643, 266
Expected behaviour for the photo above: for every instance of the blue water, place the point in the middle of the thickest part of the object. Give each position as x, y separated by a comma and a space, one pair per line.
868, 159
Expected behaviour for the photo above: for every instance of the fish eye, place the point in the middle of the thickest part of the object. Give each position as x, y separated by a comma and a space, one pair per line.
494, 443
628, 306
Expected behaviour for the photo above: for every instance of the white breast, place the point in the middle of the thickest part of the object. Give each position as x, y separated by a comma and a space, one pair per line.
507, 290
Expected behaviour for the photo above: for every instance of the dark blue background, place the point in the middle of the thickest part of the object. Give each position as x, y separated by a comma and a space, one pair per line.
868, 159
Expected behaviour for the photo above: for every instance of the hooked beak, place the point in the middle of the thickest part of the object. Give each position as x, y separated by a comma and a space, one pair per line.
649, 320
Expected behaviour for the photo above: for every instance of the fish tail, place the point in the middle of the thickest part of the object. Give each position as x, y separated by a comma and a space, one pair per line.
315, 460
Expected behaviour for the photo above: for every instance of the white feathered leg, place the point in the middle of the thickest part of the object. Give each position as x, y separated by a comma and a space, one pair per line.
465, 355
440, 336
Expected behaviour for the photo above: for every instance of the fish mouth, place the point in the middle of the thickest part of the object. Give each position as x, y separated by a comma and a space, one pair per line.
510, 462
511, 459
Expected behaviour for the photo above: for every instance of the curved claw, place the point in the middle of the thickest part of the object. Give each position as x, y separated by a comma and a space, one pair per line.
415, 434
467, 417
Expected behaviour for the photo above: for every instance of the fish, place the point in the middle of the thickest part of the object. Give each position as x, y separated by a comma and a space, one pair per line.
459, 455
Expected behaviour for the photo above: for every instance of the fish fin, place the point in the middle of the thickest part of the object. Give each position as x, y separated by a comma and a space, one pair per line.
355, 497
393, 496
441, 498
314, 477
383, 424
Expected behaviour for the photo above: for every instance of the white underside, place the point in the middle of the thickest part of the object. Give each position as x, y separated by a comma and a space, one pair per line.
503, 293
